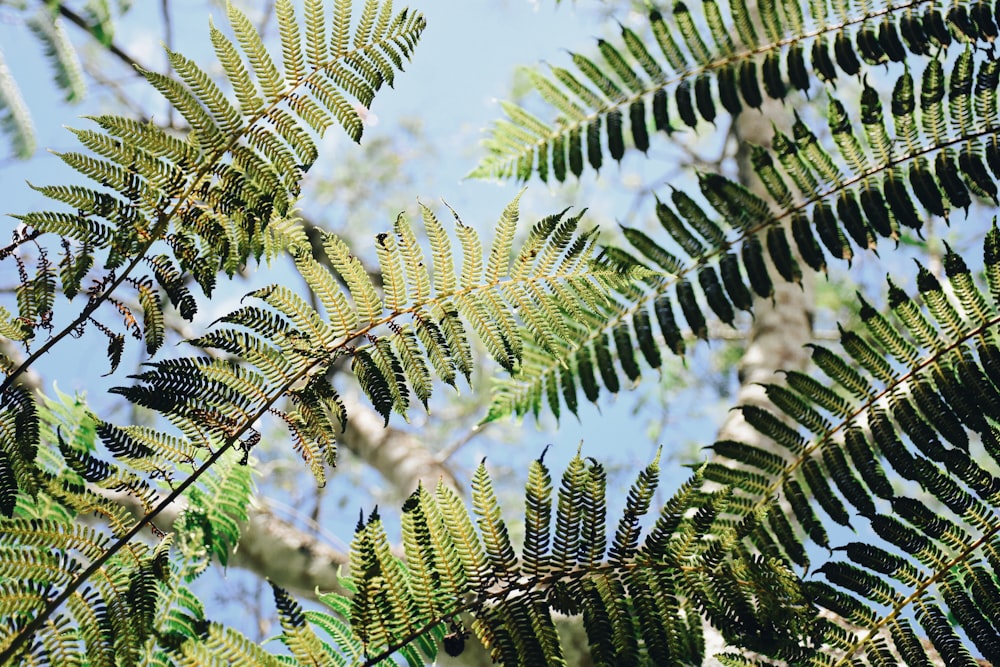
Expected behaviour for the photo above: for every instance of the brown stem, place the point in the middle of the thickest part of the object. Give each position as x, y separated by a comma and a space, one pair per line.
81, 22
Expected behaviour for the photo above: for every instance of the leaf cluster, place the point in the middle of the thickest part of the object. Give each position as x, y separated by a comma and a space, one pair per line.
910, 399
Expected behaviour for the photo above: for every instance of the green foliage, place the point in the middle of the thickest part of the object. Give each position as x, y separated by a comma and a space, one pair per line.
396, 344
899, 412
913, 382
892, 412
208, 198
829, 205
15, 120
640, 602
910, 398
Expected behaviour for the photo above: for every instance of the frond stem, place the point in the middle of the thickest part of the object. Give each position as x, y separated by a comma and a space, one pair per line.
670, 279
624, 102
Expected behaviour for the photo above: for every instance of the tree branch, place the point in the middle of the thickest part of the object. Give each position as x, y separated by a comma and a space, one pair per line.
269, 546
81, 22
402, 459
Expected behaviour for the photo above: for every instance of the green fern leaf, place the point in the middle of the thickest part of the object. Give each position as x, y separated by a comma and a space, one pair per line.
393, 278
291, 41
15, 119
444, 268
374, 383
407, 349
537, 518
268, 76
496, 540
366, 301
49, 29
640, 495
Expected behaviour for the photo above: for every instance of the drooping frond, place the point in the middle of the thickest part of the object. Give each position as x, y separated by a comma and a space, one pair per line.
49, 29
46, 25
899, 441
828, 206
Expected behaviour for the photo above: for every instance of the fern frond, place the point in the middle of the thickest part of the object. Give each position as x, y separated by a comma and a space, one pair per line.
631, 80
828, 205
284, 347
49, 29
634, 603
15, 119
917, 424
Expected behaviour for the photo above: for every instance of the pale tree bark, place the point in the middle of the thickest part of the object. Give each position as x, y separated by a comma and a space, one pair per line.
781, 327
399, 456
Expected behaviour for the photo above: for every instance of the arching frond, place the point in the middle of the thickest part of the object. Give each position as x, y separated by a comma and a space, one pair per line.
638, 598
829, 207
913, 403
663, 76
397, 342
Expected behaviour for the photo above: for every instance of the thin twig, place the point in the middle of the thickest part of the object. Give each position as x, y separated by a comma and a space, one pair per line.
168, 38
81, 22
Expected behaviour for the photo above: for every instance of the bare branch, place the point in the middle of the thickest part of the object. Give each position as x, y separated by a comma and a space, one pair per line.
81, 22
270, 546
402, 459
